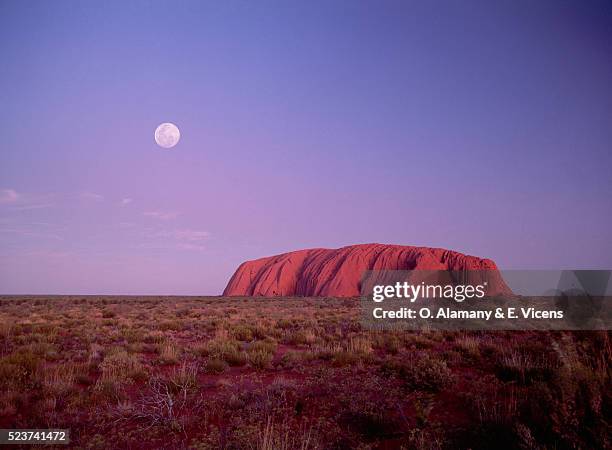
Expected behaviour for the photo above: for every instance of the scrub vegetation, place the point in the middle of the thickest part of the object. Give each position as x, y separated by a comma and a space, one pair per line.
290, 373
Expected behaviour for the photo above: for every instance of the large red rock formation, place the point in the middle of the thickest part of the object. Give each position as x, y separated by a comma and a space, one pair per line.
338, 272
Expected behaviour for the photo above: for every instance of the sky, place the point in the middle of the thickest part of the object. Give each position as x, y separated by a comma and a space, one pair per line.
478, 126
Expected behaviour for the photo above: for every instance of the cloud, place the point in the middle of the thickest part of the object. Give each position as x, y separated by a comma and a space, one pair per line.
190, 235
170, 246
18, 201
33, 206
183, 239
91, 196
8, 196
50, 254
161, 215
30, 233
125, 201
191, 247
182, 235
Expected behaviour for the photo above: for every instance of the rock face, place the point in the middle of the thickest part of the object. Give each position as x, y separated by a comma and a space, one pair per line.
321, 272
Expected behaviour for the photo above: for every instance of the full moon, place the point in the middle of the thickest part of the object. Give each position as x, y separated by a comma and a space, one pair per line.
167, 135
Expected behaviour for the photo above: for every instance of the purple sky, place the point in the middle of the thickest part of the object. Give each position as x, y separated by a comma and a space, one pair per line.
483, 127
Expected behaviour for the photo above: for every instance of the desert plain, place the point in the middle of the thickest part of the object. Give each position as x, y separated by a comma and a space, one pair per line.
290, 373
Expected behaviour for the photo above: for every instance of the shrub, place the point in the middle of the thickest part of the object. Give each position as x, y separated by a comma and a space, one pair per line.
242, 333
345, 358
228, 350
155, 337
354, 350
109, 390
290, 360
132, 335
423, 372
184, 378
389, 343
301, 337
215, 366
259, 332
260, 353
523, 368
370, 410
418, 341
267, 345
19, 369
170, 325
468, 346
260, 359
121, 367
218, 347
235, 358
59, 378
273, 437
169, 354
284, 324
359, 345
108, 314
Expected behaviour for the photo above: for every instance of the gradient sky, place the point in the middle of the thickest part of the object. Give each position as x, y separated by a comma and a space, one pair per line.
483, 127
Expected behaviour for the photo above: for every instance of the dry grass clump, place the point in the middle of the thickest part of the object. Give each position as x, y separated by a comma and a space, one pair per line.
468, 346
121, 367
171, 325
95, 354
291, 359
278, 436
351, 351
117, 370
154, 337
6, 332
132, 335
261, 353
227, 350
43, 350
419, 340
242, 333
219, 347
61, 378
184, 377
260, 359
359, 345
301, 337
168, 353
9, 403
387, 342
108, 314
215, 366
515, 365
286, 323
19, 369
422, 371
498, 409
267, 345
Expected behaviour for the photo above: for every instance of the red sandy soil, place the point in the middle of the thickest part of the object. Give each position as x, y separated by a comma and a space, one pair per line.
238, 373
